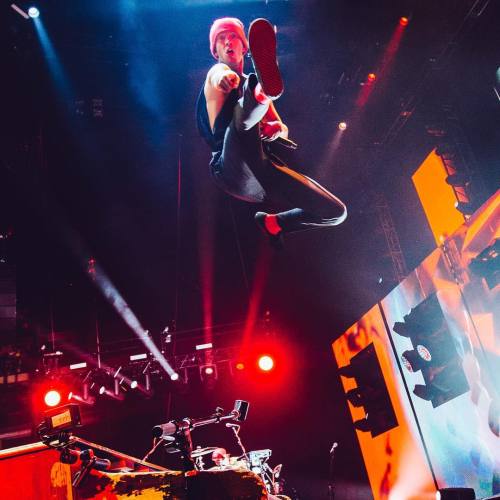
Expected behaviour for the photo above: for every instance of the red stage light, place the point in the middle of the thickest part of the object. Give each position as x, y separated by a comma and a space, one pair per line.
403, 21
52, 398
240, 366
371, 77
266, 363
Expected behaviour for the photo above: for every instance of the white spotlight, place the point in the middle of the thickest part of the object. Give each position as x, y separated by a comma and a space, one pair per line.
174, 376
33, 12
342, 125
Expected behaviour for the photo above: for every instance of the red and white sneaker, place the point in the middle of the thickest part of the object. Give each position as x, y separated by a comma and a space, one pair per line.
262, 42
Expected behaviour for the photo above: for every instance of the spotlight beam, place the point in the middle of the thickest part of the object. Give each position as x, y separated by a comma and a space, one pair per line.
121, 307
20, 11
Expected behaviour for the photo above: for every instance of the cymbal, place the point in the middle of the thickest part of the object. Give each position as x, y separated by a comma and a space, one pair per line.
202, 451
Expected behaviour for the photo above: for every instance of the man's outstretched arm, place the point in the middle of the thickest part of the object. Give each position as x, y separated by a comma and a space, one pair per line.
221, 79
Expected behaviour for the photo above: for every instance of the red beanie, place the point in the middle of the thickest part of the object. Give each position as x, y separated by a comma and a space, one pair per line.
226, 24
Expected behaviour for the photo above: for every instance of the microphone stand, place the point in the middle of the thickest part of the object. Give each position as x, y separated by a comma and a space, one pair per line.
236, 429
177, 433
331, 486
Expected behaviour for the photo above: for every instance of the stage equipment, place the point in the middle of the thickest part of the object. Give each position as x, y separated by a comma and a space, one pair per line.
487, 264
465, 207
58, 420
370, 393
435, 339
266, 363
52, 397
455, 494
437, 196
258, 464
33, 12
208, 372
177, 433
20, 11
434, 353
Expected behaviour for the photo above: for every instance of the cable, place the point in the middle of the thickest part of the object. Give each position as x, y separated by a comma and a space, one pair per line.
153, 449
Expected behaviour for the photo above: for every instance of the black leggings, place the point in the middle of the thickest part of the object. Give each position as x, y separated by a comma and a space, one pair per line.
245, 171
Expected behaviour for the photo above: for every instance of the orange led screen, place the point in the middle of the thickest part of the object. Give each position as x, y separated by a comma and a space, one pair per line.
437, 197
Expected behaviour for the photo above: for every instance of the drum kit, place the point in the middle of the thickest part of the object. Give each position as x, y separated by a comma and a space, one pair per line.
254, 461
56, 432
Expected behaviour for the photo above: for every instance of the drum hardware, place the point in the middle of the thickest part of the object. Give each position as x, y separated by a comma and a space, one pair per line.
198, 455
199, 452
258, 464
177, 433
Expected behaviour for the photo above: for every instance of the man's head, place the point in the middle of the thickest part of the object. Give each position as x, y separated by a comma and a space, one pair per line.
228, 42
219, 456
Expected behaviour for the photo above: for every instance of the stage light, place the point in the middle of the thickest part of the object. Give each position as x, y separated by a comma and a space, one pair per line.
240, 366
486, 264
342, 125
111, 394
138, 357
458, 179
465, 208
362, 425
414, 359
370, 392
20, 11
266, 363
174, 376
403, 21
78, 366
208, 374
102, 389
455, 494
33, 12
133, 384
201, 347
371, 77
52, 398
89, 400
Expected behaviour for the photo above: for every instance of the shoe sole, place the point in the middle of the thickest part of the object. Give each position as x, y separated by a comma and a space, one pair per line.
262, 42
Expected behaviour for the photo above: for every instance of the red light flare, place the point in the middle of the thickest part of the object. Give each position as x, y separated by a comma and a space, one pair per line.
206, 230
403, 21
47, 395
266, 363
52, 398
384, 66
263, 265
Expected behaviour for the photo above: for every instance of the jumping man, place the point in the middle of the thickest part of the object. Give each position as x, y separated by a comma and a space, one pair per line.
237, 118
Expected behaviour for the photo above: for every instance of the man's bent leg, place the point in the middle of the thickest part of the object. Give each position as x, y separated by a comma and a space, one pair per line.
249, 111
242, 166
313, 205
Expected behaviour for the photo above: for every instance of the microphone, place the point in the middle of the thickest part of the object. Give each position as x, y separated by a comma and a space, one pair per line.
241, 409
287, 143
164, 430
